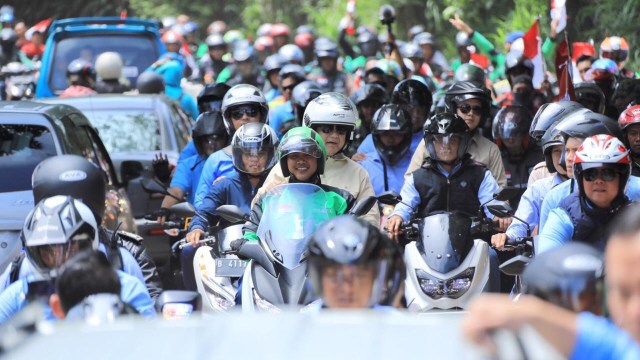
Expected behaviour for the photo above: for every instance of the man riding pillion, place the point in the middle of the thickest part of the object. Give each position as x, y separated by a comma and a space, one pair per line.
124, 250
56, 229
241, 104
602, 167
392, 133
448, 181
353, 265
302, 155
333, 117
471, 102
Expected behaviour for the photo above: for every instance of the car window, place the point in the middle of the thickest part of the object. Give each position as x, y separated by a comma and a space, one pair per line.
102, 157
127, 129
182, 125
138, 52
22, 147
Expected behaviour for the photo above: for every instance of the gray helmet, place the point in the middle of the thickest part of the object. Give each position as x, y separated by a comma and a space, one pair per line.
331, 109
243, 94
150, 82
291, 54
215, 40
325, 48
254, 138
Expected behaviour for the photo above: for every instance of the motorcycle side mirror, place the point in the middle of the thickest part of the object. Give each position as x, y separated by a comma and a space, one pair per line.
232, 213
129, 170
152, 186
508, 192
515, 266
389, 198
177, 304
254, 251
363, 206
500, 210
183, 210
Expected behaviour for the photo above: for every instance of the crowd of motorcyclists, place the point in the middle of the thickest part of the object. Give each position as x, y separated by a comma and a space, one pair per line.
357, 117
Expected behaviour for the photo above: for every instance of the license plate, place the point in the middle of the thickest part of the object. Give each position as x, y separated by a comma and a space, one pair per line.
230, 267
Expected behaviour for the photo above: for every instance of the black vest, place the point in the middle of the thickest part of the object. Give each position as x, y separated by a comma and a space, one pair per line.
587, 228
459, 191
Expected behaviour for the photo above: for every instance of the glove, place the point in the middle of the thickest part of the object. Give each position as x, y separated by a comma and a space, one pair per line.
161, 167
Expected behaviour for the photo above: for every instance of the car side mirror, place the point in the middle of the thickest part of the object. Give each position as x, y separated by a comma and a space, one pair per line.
129, 170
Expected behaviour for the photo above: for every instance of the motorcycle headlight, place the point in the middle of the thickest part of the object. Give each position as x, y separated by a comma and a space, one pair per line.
431, 286
452, 288
458, 286
264, 305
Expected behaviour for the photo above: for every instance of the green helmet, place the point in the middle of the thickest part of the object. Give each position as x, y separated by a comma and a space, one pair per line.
302, 140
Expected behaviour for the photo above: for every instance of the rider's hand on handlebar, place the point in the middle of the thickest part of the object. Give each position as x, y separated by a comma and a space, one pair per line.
194, 236
498, 241
163, 213
502, 224
393, 224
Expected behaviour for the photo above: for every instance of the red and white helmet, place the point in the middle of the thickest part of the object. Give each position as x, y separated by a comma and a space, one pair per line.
602, 151
629, 117
615, 48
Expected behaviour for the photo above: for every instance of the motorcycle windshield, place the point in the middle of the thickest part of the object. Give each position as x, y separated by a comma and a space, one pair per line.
445, 240
290, 214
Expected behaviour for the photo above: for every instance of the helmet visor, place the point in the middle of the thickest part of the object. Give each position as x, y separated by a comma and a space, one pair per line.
253, 160
300, 145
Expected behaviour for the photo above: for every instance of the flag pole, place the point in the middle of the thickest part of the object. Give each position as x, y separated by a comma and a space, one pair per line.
544, 61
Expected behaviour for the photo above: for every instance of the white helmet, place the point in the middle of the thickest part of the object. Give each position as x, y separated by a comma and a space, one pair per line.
331, 109
291, 53
243, 94
58, 220
109, 66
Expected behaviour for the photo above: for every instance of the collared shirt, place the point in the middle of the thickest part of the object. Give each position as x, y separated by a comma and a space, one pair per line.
411, 198
481, 150
530, 204
340, 172
218, 164
381, 172
187, 175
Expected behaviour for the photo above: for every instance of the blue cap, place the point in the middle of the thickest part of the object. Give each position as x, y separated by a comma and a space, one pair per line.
513, 36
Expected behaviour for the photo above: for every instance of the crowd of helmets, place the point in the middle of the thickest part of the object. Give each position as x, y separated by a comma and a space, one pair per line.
388, 97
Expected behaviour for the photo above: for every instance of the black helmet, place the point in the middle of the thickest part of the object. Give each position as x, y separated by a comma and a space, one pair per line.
81, 72
58, 221
209, 127
570, 276
446, 125
590, 95
511, 121
302, 95
150, 82
370, 92
347, 240
393, 118
465, 90
210, 97
516, 64
254, 139
550, 139
74, 176
583, 124
470, 72
551, 113
325, 48
413, 95
368, 43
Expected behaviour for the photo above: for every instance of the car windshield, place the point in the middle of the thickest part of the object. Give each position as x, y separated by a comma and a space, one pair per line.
127, 129
22, 147
138, 52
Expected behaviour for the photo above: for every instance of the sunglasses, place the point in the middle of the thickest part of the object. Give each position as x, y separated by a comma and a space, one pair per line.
327, 129
237, 114
289, 88
605, 174
465, 109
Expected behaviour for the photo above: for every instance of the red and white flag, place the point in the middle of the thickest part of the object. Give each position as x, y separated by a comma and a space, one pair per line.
559, 12
532, 44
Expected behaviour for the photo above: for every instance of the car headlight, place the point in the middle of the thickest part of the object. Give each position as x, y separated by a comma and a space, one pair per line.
264, 305
452, 288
